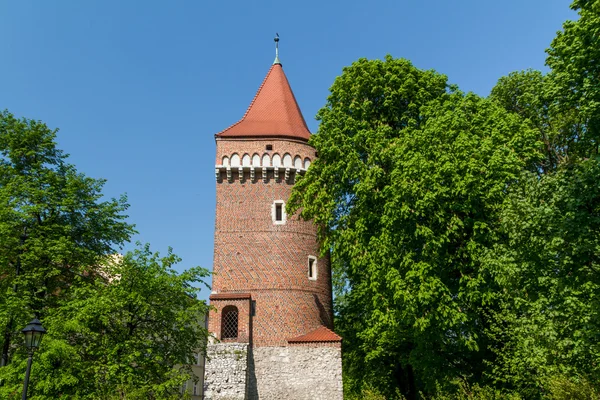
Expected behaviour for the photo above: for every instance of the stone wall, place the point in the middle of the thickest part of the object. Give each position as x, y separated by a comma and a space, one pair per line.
226, 371
295, 373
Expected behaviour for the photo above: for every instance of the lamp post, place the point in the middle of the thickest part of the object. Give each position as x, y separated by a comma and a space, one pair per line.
33, 337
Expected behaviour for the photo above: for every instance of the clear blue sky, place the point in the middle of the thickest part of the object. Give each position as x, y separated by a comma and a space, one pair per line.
139, 88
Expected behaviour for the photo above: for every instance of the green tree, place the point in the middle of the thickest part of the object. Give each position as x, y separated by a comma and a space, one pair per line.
546, 255
548, 264
407, 188
54, 226
118, 326
128, 334
574, 60
527, 94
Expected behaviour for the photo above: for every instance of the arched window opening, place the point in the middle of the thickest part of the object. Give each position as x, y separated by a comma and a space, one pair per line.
306, 163
287, 160
298, 162
229, 323
266, 160
246, 160
235, 160
276, 160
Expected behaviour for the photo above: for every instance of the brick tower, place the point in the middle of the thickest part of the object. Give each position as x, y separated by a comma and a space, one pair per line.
271, 295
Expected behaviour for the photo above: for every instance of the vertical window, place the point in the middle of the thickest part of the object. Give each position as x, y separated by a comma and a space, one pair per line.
278, 212
312, 267
253, 308
229, 323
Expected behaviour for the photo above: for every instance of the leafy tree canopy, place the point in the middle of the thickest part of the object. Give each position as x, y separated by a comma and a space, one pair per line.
574, 59
126, 335
54, 225
409, 181
118, 326
464, 231
549, 268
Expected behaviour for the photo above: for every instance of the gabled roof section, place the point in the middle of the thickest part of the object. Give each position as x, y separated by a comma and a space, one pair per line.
274, 112
321, 334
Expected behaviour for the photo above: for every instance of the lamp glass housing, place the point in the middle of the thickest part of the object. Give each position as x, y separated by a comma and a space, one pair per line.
34, 332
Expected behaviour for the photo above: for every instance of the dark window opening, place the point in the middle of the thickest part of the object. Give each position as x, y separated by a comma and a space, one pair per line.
253, 308
312, 273
278, 212
269, 147
229, 323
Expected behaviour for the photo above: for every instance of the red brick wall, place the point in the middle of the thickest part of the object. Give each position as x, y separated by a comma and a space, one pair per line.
253, 255
214, 318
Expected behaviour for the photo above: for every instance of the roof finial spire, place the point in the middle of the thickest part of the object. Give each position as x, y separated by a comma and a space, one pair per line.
276, 50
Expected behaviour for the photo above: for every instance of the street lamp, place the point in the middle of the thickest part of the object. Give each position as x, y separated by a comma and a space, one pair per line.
33, 337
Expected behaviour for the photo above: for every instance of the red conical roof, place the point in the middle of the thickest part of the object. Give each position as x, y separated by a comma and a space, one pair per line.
274, 111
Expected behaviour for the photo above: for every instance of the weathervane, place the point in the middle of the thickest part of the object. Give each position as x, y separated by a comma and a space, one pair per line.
276, 49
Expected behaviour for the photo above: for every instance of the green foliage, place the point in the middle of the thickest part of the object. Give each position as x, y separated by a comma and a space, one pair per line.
408, 183
563, 388
368, 393
526, 94
549, 266
127, 335
547, 254
574, 59
463, 391
464, 232
54, 227
475, 392
118, 326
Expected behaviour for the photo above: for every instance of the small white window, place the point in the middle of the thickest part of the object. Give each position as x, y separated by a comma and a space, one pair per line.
297, 162
235, 160
312, 268
278, 212
276, 160
306, 163
266, 160
246, 160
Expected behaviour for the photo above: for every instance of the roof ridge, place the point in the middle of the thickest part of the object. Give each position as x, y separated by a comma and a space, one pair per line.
328, 330
295, 101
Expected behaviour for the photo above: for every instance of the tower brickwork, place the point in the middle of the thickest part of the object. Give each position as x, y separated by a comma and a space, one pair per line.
273, 318
256, 254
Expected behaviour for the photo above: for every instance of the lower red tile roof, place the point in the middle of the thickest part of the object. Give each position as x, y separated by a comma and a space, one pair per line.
321, 334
